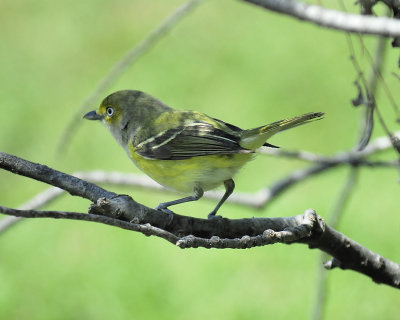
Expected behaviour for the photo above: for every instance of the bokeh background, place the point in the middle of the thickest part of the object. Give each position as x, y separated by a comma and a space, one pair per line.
230, 60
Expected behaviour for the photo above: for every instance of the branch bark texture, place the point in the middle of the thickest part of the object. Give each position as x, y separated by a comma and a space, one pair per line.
188, 232
71, 184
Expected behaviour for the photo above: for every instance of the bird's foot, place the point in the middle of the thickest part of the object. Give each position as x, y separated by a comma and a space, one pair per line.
212, 215
161, 207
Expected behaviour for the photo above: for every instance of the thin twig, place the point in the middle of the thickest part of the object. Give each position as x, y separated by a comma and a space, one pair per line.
332, 18
376, 72
368, 117
297, 228
121, 66
349, 158
377, 145
318, 305
143, 228
344, 197
36, 202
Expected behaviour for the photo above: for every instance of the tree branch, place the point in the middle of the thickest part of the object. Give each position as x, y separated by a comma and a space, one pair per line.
352, 157
122, 211
36, 202
73, 185
143, 228
332, 18
221, 233
256, 200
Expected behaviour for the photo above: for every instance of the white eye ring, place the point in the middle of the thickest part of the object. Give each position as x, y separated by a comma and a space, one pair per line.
110, 111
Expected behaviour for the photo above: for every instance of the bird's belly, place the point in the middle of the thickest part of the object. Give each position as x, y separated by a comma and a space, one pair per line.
207, 172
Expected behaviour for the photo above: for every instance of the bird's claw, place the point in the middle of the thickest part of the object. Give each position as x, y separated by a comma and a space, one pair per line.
212, 215
164, 209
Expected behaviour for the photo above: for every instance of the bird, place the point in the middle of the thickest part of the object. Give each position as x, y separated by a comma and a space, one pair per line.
186, 151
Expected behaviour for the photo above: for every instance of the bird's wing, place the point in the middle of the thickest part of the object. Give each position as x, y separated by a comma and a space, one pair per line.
188, 141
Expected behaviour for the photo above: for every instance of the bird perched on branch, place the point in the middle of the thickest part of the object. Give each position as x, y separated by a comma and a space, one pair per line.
186, 151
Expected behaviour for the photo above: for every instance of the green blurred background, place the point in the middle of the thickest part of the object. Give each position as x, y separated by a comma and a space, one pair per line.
230, 60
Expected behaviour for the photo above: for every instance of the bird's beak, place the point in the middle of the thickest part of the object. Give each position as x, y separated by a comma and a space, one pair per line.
92, 115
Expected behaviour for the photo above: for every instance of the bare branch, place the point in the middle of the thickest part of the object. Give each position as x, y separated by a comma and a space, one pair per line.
353, 157
122, 211
291, 179
73, 185
332, 18
189, 232
143, 228
342, 158
367, 123
126, 179
290, 234
344, 197
256, 200
36, 202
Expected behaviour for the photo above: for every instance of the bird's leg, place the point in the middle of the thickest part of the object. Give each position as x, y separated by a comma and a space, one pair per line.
229, 187
197, 194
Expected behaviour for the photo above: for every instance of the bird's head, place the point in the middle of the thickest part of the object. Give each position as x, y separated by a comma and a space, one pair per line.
126, 111
115, 107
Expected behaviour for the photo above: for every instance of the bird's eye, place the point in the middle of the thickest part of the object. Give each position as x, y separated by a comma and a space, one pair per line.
110, 111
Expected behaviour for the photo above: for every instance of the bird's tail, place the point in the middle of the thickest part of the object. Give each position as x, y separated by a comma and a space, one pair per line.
255, 138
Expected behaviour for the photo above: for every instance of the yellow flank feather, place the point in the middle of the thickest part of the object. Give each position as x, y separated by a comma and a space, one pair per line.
207, 172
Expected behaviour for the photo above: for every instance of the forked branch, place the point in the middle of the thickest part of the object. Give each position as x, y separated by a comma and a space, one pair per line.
188, 232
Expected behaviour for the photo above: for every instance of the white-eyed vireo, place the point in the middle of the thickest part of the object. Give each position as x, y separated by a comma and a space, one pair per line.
186, 151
